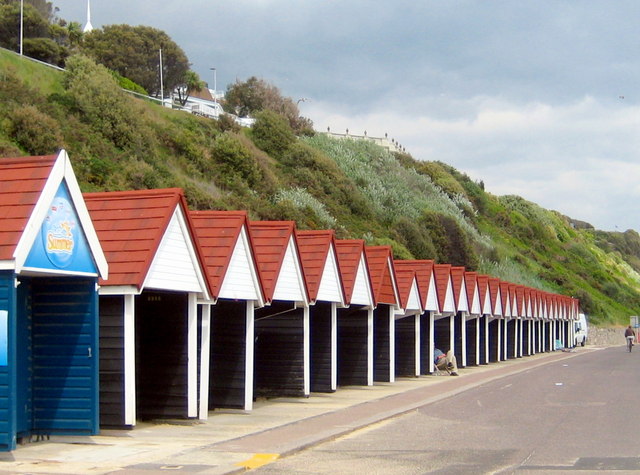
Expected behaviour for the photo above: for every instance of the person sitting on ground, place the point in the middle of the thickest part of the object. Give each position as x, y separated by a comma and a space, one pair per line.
445, 362
630, 334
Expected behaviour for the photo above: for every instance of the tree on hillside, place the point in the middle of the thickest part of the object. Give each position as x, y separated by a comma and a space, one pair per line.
191, 83
248, 97
46, 37
35, 25
133, 52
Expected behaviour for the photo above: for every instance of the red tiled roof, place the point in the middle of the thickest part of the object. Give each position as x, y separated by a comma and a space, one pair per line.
424, 271
382, 280
471, 279
21, 183
494, 287
483, 284
505, 296
217, 233
270, 240
457, 275
130, 226
522, 308
405, 275
442, 274
314, 247
349, 252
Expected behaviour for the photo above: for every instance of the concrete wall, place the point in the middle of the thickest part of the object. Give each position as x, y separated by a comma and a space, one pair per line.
609, 336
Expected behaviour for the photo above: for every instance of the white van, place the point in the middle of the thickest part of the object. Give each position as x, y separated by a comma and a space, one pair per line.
581, 330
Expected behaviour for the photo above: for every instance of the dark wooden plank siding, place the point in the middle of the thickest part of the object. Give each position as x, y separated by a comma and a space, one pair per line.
161, 355
406, 346
512, 338
352, 346
483, 339
227, 363
548, 337
425, 354
526, 331
472, 331
494, 347
112, 361
381, 344
320, 324
441, 334
279, 352
458, 322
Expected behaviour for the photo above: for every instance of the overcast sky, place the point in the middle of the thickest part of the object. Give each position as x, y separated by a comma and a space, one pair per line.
536, 98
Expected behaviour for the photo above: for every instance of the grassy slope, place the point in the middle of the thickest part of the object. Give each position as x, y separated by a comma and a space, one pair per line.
423, 209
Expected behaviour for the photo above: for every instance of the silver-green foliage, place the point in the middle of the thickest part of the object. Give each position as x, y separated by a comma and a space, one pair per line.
392, 189
510, 271
302, 199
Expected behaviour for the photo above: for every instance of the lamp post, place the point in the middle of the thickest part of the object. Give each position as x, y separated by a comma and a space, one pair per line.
21, 24
215, 88
161, 80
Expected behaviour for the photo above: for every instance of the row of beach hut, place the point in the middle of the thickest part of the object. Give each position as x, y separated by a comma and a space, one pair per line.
117, 307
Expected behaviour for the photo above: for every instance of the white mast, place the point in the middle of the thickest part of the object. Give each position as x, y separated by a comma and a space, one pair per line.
88, 27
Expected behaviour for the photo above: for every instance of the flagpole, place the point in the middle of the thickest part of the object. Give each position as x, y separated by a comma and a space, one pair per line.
21, 24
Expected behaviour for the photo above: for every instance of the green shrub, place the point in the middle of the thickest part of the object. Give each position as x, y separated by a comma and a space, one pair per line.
235, 162
398, 250
45, 49
272, 133
416, 239
35, 131
102, 103
128, 84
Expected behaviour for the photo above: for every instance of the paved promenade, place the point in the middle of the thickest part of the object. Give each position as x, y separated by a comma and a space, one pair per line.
234, 441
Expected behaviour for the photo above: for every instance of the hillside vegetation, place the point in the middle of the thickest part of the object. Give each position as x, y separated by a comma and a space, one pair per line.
424, 210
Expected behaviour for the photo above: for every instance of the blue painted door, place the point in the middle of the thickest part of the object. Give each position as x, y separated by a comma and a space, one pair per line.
64, 356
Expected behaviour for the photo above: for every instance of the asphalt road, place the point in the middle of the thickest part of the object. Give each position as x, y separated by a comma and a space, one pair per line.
580, 415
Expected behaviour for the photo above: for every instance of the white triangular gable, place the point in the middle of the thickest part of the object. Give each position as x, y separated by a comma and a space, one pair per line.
498, 310
463, 301
241, 279
449, 301
515, 310
529, 308
61, 171
175, 266
290, 282
413, 302
475, 304
431, 302
486, 302
362, 286
330, 286
507, 309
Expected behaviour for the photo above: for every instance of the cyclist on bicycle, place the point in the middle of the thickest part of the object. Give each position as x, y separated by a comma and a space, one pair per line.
630, 335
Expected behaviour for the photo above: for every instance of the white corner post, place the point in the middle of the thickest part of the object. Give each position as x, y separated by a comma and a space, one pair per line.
392, 345
205, 352
334, 346
370, 347
306, 350
129, 361
249, 354
192, 351
417, 344
432, 343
